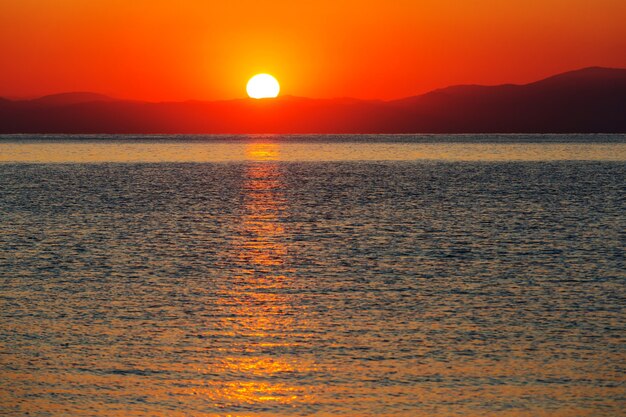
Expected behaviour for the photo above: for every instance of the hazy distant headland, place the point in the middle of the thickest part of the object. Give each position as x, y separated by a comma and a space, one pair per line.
584, 101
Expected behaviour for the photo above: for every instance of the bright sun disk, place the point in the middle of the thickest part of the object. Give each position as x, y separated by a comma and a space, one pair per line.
262, 86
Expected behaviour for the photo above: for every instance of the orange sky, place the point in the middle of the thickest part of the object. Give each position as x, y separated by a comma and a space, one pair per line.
203, 49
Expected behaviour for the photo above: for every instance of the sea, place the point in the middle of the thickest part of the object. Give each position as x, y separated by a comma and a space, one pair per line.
312, 275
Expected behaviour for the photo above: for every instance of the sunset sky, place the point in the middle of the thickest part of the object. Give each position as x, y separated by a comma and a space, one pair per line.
201, 49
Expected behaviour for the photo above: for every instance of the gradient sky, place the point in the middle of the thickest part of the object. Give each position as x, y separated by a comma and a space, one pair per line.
202, 49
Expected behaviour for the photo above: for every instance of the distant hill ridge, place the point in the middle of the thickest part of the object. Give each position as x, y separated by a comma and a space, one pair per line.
63, 99
586, 100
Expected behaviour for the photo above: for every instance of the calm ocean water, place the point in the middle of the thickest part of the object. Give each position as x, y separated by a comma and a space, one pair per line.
295, 276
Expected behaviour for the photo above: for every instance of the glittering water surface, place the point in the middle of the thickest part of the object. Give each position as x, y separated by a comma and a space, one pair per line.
264, 287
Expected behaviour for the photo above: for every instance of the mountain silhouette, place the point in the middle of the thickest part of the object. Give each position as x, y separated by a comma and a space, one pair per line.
583, 101
70, 98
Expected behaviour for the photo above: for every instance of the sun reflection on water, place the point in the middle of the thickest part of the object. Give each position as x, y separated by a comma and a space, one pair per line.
261, 369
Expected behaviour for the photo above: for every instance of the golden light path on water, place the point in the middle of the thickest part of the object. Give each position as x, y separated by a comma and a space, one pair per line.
261, 313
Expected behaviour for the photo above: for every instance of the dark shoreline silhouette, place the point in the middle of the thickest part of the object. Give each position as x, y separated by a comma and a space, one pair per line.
590, 100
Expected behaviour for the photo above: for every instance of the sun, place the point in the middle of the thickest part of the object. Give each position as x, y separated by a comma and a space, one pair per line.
262, 86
